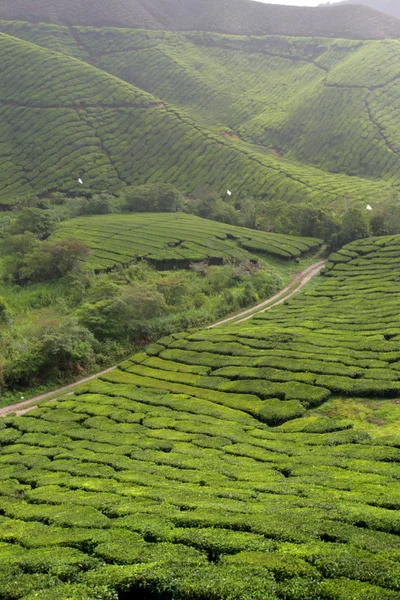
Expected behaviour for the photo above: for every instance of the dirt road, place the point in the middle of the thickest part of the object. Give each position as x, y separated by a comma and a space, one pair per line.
298, 282
292, 288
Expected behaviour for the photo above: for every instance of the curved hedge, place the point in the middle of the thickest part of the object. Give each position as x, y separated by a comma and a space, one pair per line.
175, 238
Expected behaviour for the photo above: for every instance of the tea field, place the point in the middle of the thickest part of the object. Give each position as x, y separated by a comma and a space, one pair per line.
238, 17
175, 239
233, 463
94, 104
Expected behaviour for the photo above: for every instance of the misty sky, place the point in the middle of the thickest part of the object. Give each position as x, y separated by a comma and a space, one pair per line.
296, 2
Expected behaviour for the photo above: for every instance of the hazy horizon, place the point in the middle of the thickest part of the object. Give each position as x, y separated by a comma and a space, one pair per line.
294, 2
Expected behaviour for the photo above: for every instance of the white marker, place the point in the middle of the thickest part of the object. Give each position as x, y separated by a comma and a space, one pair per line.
229, 192
369, 207
80, 181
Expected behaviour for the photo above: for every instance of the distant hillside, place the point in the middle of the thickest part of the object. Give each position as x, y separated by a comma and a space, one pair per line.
62, 119
251, 119
391, 7
242, 17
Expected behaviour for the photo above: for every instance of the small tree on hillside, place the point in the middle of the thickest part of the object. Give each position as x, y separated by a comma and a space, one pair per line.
39, 222
153, 197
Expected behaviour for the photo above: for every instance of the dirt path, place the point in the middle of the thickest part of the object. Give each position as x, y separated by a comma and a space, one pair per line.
292, 288
23, 407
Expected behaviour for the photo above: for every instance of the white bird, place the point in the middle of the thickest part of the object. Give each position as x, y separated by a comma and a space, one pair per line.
229, 192
369, 207
80, 181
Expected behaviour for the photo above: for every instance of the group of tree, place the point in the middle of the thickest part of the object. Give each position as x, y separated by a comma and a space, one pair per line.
74, 320
29, 257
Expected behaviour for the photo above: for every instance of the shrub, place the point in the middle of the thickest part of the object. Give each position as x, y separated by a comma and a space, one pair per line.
153, 198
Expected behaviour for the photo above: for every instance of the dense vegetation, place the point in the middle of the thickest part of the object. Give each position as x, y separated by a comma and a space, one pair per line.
240, 17
109, 133
59, 319
248, 461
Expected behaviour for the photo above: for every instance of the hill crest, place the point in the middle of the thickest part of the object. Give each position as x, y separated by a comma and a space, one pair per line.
390, 7
239, 17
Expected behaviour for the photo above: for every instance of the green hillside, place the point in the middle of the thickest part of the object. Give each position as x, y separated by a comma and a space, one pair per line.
321, 102
340, 338
89, 124
175, 239
249, 461
239, 17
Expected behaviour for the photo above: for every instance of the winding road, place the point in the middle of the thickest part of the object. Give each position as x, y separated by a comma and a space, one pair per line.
297, 283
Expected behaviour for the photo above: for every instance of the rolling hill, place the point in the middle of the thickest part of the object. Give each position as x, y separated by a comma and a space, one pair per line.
261, 456
92, 103
240, 17
390, 7
175, 239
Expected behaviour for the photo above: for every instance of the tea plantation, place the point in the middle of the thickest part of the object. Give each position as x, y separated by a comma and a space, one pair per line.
219, 464
234, 113
168, 239
226, 16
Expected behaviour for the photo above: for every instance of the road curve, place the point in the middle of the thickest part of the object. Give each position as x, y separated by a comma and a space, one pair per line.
298, 282
292, 288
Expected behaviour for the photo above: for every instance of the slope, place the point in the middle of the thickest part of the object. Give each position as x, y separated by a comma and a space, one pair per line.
328, 103
240, 17
175, 239
63, 119
162, 478
390, 7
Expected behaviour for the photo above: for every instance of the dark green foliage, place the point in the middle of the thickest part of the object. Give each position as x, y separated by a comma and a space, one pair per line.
35, 262
100, 204
39, 222
54, 346
153, 198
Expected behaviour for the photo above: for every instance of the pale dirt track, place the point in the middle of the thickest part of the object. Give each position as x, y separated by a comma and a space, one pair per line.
298, 282
292, 288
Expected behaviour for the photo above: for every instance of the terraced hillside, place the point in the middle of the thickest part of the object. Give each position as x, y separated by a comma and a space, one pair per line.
240, 17
175, 239
331, 104
174, 475
111, 133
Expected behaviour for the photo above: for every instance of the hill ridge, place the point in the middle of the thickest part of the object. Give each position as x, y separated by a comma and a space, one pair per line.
121, 134
239, 17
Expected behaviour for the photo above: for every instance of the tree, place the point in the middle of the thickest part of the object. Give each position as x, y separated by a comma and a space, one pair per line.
125, 313
100, 204
48, 346
355, 226
143, 301
153, 197
3, 311
107, 318
203, 201
41, 261
65, 343
250, 211
385, 220
41, 223
66, 255
225, 213
173, 288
